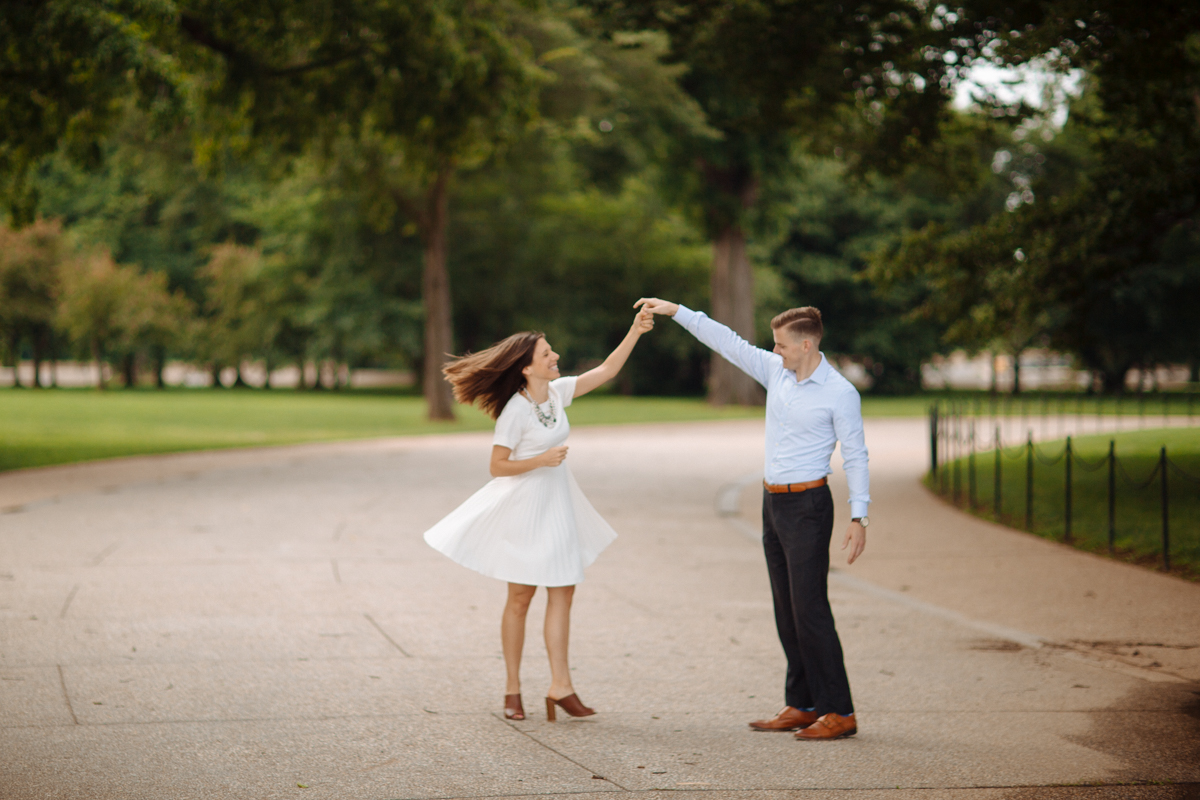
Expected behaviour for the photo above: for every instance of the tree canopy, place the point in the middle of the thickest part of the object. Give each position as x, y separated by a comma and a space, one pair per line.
386, 183
1098, 254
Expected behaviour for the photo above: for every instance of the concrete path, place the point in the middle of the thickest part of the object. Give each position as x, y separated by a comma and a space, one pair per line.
265, 624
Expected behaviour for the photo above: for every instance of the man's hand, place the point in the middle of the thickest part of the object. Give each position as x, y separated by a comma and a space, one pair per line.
656, 306
856, 540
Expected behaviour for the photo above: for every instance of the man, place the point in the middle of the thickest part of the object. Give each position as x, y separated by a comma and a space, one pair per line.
810, 408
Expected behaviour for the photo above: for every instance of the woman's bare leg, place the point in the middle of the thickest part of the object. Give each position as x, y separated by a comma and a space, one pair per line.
558, 635
512, 632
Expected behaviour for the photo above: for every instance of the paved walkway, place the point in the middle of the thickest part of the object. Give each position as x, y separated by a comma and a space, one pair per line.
265, 624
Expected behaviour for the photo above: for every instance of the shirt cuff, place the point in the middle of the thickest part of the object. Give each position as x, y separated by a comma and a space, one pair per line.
858, 509
684, 315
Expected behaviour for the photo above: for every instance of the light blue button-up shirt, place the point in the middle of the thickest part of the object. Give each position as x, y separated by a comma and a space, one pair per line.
805, 419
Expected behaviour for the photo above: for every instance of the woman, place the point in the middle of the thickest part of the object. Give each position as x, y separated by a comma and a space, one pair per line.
531, 525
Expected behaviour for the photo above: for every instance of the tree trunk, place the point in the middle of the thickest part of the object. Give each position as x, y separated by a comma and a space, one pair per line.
14, 352
1114, 380
216, 376
97, 356
1016, 389
732, 304
435, 295
160, 367
1194, 371
129, 370
38, 343
52, 357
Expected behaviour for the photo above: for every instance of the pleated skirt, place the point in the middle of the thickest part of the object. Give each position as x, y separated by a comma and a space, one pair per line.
537, 529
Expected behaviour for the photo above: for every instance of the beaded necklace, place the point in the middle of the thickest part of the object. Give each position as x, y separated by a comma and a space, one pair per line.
547, 420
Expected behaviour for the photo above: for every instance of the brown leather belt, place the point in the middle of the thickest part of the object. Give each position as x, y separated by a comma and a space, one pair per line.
787, 488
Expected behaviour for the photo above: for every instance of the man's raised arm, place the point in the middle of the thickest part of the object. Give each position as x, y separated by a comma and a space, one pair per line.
749, 359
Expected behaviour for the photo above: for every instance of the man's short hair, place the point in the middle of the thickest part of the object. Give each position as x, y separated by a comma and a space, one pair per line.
800, 322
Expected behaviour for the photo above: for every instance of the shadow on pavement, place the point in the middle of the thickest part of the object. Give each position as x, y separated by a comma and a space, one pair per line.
1155, 732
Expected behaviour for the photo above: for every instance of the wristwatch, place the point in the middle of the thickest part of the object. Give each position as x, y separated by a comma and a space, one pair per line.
864, 521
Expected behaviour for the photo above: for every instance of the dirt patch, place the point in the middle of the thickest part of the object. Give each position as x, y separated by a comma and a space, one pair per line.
995, 645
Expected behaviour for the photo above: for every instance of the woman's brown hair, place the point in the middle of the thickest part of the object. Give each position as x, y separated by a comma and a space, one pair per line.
493, 376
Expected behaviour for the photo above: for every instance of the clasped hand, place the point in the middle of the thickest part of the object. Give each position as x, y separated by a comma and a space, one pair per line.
552, 457
643, 322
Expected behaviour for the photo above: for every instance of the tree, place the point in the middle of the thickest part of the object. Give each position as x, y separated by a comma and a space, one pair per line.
94, 302
238, 323
29, 279
64, 64
866, 79
544, 249
832, 228
1098, 252
153, 321
427, 86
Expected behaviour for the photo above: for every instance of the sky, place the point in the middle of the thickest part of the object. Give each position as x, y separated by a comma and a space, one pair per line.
1034, 83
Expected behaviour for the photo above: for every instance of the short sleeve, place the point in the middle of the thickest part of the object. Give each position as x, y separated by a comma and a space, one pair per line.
510, 425
565, 388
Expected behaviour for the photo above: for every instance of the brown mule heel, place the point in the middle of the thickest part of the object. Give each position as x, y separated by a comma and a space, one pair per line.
513, 709
570, 704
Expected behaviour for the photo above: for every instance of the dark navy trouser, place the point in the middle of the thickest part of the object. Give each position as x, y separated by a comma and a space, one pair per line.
797, 528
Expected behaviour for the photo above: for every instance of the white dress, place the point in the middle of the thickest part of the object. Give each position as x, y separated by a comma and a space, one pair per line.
536, 528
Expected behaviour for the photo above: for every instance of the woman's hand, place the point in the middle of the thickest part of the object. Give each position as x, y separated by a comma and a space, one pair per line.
552, 457
643, 322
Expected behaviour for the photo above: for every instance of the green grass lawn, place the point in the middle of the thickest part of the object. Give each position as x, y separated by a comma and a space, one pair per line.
41, 427
1138, 529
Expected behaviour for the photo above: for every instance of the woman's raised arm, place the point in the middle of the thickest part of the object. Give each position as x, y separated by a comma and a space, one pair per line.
604, 373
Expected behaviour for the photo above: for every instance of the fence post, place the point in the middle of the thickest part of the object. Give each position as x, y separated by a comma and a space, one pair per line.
1067, 504
1029, 483
957, 487
941, 437
1112, 495
1166, 531
971, 493
998, 477
944, 428
933, 439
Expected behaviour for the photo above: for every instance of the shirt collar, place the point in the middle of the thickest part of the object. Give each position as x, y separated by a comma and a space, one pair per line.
820, 374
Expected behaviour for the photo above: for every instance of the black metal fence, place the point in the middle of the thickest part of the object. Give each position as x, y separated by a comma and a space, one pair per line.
1057, 414
956, 444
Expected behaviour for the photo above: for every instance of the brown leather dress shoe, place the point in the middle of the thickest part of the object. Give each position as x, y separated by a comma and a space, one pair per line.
830, 726
789, 719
